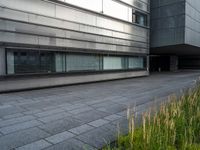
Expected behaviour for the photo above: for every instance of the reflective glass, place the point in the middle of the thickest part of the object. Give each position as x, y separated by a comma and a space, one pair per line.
60, 62
27, 61
46, 61
112, 63
82, 62
10, 62
140, 18
34, 61
136, 63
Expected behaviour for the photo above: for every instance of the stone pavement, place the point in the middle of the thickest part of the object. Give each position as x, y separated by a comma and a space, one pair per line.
83, 116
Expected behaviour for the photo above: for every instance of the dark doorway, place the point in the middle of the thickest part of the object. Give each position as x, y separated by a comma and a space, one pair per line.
159, 63
189, 62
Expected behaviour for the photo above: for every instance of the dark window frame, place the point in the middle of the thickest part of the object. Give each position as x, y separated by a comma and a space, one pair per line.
101, 70
135, 18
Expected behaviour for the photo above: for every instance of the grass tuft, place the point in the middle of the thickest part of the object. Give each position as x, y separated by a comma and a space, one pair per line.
175, 126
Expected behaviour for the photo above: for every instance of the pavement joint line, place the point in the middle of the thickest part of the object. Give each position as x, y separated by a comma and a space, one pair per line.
82, 132
84, 142
44, 130
47, 115
167, 88
40, 121
34, 142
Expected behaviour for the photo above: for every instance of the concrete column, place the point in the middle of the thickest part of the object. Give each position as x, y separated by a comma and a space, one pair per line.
173, 63
2, 62
148, 63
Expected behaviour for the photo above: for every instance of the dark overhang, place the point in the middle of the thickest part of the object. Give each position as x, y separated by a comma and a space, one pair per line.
181, 49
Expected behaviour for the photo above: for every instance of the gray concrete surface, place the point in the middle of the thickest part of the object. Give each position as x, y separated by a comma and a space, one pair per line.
19, 84
81, 116
2, 61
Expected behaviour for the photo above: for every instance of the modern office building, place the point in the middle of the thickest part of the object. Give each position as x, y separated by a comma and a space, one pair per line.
175, 34
59, 42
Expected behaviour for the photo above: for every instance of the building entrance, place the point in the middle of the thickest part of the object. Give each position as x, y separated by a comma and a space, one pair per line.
159, 63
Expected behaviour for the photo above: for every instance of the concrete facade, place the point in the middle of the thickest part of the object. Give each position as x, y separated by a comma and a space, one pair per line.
175, 23
55, 26
2, 62
192, 24
175, 31
51, 24
167, 22
45, 81
63, 31
173, 63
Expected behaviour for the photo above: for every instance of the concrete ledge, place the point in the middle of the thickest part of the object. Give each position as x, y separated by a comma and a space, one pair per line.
35, 83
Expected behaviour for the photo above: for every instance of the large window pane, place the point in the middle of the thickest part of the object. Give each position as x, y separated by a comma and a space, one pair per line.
112, 63
136, 63
28, 61
83, 62
60, 60
46, 62
35, 61
10, 62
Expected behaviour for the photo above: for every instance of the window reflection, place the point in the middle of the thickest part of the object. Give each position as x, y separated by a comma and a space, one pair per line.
29, 62
140, 18
136, 63
82, 62
111, 62
34, 61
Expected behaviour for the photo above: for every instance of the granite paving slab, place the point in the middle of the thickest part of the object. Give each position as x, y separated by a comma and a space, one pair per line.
85, 116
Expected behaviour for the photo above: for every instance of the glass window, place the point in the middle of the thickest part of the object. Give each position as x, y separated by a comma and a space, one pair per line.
10, 62
46, 62
136, 63
82, 62
27, 61
34, 61
30, 62
60, 62
112, 63
140, 18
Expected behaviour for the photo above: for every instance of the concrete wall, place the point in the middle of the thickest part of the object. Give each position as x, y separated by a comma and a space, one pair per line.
173, 63
167, 22
192, 30
42, 23
51, 26
42, 82
2, 62
175, 22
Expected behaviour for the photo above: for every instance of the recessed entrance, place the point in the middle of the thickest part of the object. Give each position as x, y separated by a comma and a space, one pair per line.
159, 63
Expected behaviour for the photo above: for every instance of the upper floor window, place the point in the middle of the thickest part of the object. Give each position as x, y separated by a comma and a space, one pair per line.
140, 18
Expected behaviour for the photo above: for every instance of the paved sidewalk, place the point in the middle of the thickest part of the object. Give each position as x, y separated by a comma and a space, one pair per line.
80, 116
